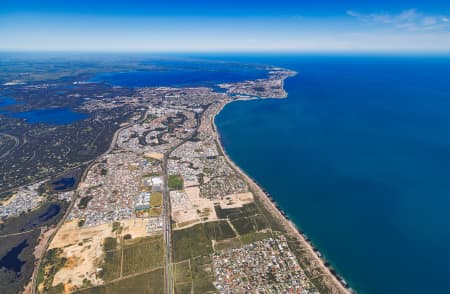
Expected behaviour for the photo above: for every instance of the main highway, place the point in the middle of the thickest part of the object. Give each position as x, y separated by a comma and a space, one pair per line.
167, 231
167, 213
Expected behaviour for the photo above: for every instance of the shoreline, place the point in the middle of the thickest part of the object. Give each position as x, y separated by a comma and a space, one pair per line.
339, 283
333, 281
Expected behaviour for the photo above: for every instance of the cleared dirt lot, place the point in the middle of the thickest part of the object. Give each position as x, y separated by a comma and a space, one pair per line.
236, 200
205, 206
83, 248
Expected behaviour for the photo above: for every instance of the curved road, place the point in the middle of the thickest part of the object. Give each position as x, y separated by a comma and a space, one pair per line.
72, 203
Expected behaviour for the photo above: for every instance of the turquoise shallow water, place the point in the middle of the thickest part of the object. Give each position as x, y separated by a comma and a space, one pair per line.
359, 157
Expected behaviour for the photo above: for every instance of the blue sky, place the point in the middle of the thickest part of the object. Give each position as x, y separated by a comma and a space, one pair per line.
138, 25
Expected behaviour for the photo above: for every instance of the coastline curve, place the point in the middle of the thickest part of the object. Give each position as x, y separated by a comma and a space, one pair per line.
337, 283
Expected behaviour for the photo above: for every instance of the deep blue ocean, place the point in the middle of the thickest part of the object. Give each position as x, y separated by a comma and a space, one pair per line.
359, 157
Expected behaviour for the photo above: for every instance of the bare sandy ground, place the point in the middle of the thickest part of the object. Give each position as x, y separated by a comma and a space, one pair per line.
236, 200
190, 183
154, 155
183, 210
202, 204
330, 280
83, 248
136, 227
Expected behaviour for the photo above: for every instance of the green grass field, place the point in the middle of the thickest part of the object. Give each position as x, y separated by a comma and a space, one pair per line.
139, 255
111, 265
250, 224
219, 230
191, 242
183, 277
148, 283
197, 240
156, 199
260, 222
183, 288
110, 243
144, 254
234, 213
175, 182
182, 272
228, 244
253, 237
202, 275
154, 211
243, 225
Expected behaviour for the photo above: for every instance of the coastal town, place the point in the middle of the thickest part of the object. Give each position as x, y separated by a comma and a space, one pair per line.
229, 147
165, 204
266, 266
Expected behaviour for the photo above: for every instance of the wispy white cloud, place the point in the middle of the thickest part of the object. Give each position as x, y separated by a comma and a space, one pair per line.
407, 15
410, 20
429, 21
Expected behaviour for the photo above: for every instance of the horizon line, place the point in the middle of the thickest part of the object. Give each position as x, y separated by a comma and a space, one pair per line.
236, 51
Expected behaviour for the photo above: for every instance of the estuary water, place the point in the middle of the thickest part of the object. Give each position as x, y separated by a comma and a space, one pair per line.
359, 157
55, 116
210, 76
